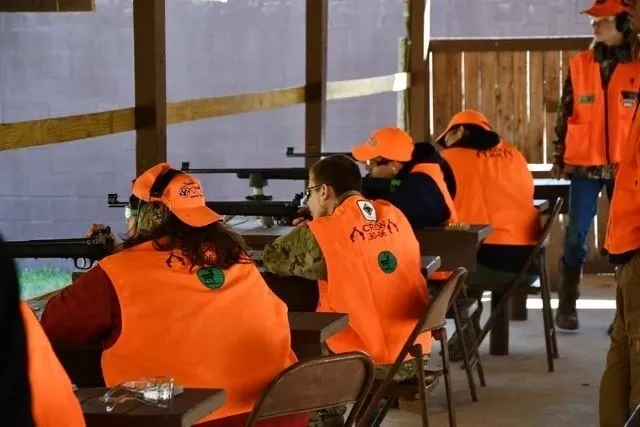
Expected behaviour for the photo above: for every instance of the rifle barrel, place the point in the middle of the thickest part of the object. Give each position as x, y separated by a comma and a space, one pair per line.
267, 208
291, 153
266, 173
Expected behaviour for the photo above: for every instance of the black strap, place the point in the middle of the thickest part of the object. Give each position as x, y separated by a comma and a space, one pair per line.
162, 181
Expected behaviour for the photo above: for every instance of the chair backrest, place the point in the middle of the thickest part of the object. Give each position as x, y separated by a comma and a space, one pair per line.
432, 318
317, 383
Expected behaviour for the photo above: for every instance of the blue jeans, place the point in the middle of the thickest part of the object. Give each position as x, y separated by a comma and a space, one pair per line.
583, 204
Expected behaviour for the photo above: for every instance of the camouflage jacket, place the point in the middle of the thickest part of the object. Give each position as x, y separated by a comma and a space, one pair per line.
298, 253
565, 110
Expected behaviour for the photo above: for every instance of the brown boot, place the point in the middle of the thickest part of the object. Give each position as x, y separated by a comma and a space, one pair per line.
567, 315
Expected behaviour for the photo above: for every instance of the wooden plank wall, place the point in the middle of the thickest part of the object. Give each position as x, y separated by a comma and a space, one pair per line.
517, 84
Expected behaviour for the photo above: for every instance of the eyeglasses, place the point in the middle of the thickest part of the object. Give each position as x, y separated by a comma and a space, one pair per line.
307, 191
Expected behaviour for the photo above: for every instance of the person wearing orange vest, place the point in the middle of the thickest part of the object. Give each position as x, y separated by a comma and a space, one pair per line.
493, 186
420, 178
53, 402
366, 259
591, 128
15, 392
181, 298
620, 384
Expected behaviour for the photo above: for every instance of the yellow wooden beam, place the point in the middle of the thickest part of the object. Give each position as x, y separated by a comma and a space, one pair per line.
47, 6
63, 129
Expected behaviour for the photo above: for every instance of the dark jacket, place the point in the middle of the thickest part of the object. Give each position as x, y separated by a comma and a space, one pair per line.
498, 257
15, 395
418, 196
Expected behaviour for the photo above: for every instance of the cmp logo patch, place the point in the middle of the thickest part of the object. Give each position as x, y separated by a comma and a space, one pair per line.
367, 209
387, 262
211, 277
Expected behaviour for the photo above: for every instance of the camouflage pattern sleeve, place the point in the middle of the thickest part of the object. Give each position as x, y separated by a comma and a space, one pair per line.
296, 254
565, 110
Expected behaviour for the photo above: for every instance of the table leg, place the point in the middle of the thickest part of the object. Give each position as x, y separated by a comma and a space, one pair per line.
519, 304
499, 340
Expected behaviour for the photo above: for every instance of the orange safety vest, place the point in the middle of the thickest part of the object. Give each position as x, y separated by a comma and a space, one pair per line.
203, 327
53, 402
600, 122
373, 267
495, 187
623, 228
435, 172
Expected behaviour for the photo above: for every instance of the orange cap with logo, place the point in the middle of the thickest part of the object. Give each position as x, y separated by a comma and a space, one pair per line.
466, 117
178, 191
388, 143
604, 8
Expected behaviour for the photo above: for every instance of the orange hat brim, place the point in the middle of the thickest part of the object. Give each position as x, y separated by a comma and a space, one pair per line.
364, 152
605, 9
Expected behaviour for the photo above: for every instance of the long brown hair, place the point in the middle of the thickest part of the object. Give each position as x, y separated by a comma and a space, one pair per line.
215, 245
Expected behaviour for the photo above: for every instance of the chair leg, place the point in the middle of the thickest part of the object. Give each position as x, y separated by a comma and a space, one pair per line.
382, 412
476, 354
447, 377
422, 386
467, 364
554, 336
547, 317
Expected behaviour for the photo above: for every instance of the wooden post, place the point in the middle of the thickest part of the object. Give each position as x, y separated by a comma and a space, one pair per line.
316, 77
418, 68
150, 83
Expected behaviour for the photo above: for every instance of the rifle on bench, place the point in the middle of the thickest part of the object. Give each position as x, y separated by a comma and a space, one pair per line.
291, 153
373, 188
283, 212
84, 252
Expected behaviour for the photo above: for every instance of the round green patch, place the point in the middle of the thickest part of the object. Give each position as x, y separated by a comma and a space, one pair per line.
211, 277
387, 262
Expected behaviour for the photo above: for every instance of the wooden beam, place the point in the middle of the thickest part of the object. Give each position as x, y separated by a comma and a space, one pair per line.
517, 44
198, 109
418, 67
368, 86
47, 6
150, 83
52, 131
317, 14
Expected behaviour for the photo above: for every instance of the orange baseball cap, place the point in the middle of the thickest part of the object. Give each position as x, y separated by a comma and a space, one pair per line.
178, 191
388, 143
466, 117
603, 8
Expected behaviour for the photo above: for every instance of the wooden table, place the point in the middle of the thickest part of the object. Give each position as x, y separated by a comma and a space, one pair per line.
187, 409
550, 189
309, 331
455, 247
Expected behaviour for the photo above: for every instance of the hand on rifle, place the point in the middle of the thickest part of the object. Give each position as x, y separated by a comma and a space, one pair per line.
305, 216
95, 228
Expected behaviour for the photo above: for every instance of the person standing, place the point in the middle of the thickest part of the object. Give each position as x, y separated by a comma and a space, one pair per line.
593, 122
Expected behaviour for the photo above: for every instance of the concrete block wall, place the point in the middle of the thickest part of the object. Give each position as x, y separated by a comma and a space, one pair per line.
61, 64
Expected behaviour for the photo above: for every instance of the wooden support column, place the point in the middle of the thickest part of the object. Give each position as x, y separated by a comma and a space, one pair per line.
150, 83
316, 77
419, 71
